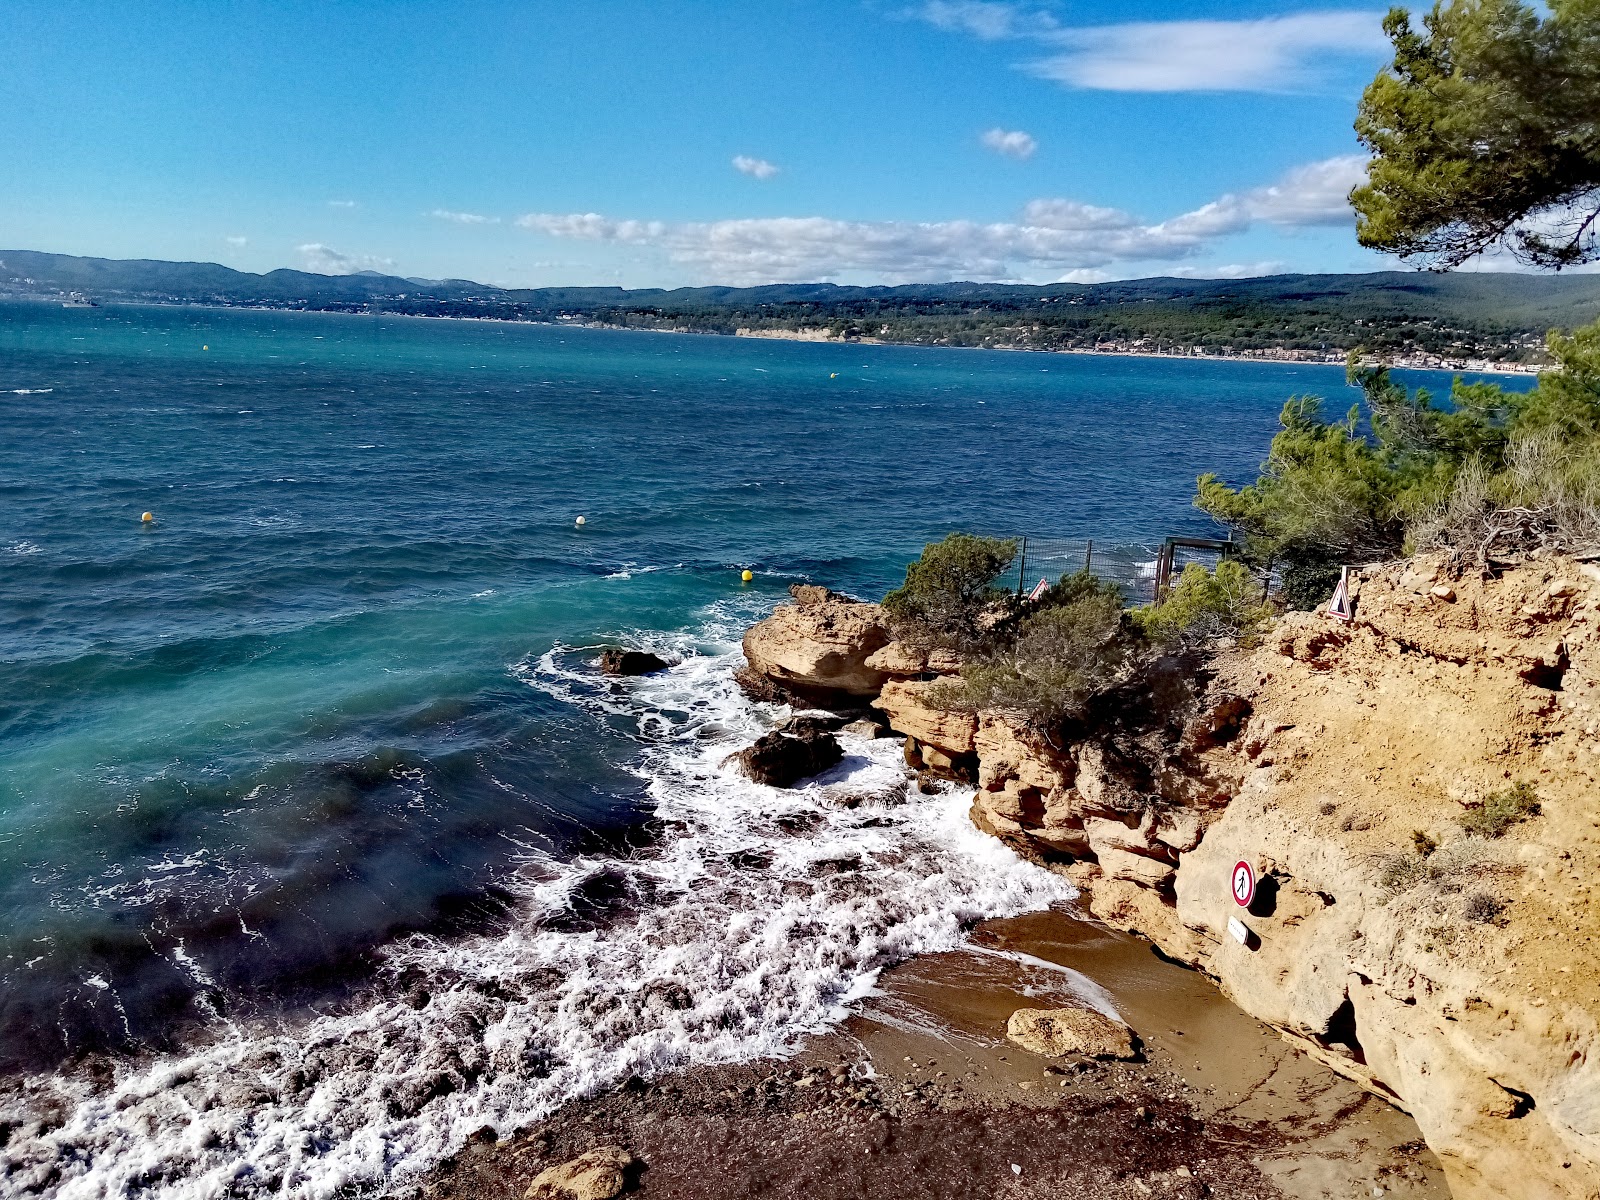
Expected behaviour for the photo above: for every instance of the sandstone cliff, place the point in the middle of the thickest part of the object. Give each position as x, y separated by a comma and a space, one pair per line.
1455, 974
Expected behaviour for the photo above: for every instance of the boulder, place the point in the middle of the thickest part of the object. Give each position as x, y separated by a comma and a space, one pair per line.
615, 661
598, 1174
807, 724
1058, 1032
867, 727
899, 658
779, 760
905, 702
818, 648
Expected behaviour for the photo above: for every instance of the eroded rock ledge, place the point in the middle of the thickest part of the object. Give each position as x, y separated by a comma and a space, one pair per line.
1462, 984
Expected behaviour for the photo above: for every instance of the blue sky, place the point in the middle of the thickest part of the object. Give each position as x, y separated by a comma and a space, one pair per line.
668, 143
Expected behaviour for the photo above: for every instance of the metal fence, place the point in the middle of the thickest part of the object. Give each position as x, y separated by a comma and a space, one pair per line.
1142, 570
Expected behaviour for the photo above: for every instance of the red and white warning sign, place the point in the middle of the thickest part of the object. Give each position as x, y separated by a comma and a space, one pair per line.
1039, 589
1340, 607
1244, 883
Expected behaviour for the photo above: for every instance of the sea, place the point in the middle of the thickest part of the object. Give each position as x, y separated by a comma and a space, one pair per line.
323, 844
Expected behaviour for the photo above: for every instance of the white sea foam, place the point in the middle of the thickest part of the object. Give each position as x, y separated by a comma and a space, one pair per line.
23, 548
31, 391
758, 917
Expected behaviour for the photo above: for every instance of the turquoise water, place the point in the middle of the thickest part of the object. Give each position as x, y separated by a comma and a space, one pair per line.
324, 734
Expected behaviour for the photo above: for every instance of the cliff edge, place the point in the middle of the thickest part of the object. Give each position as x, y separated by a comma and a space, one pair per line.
1415, 793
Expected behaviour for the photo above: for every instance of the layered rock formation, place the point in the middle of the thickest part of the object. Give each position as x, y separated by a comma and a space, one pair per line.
1456, 975
816, 650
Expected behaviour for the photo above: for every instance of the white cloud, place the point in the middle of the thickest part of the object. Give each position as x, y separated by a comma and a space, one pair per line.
237, 241
1012, 143
758, 168
341, 203
1311, 194
463, 218
984, 19
1270, 54
325, 260
1231, 270
1053, 239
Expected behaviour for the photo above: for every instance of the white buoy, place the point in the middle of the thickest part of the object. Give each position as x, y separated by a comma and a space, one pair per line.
579, 521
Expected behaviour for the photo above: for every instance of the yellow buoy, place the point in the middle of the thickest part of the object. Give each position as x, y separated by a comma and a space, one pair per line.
579, 521
747, 575
835, 375
148, 518
205, 347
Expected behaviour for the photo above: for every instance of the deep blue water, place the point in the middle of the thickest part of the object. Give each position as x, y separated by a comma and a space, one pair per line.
334, 695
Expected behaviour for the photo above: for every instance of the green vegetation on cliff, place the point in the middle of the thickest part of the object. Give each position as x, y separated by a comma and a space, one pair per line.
1492, 471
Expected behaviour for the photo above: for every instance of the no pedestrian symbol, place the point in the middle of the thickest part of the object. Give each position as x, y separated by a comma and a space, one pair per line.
1244, 883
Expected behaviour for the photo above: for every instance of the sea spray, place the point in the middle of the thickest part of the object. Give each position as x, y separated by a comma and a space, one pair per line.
755, 916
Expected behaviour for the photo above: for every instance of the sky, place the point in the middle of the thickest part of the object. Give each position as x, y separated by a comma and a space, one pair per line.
662, 143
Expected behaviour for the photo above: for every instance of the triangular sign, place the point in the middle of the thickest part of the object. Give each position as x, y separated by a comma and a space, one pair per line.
1039, 588
1339, 606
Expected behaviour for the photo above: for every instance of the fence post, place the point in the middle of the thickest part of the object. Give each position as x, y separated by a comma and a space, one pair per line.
1022, 568
1088, 556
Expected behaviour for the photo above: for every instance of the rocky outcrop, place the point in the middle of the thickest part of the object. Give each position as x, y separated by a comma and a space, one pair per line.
599, 1174
1456, 975
938, 740
816, 649
905, 702
1061, 1032
780, 759
615, 661
1462, 984
903, 660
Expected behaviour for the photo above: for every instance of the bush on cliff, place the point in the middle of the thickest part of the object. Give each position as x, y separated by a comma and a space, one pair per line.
949, 598
1491, 470
1204, 606
1064, 652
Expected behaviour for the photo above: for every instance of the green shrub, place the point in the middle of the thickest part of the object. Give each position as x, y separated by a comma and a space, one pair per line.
1203, 606
1063, 654
1491, 471
949, 597
1306, 582
1501, 810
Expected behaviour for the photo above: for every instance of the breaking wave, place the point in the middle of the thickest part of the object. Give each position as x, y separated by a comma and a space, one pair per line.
755, 917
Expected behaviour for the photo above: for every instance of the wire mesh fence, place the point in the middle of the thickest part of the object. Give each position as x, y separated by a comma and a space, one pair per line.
1142, 570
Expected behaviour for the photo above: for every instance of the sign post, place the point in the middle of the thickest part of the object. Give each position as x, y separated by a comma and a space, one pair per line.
1244, 883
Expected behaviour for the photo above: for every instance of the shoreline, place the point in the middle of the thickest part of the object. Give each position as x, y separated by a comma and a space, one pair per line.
1287, 358
918, 1094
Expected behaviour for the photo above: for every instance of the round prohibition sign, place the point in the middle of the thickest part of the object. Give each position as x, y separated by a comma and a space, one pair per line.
1244, 883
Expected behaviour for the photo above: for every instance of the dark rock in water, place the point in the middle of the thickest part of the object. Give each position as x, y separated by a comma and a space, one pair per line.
780, 760
807, 724
614, 661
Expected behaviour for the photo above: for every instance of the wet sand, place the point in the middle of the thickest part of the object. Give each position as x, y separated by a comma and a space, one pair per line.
919, 1095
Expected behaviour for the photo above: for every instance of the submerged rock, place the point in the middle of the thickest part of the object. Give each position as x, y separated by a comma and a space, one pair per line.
1058, 1032
615, 661
781, 760
598, 1174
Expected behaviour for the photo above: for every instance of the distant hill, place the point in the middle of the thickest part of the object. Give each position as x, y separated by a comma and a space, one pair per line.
1427, 317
